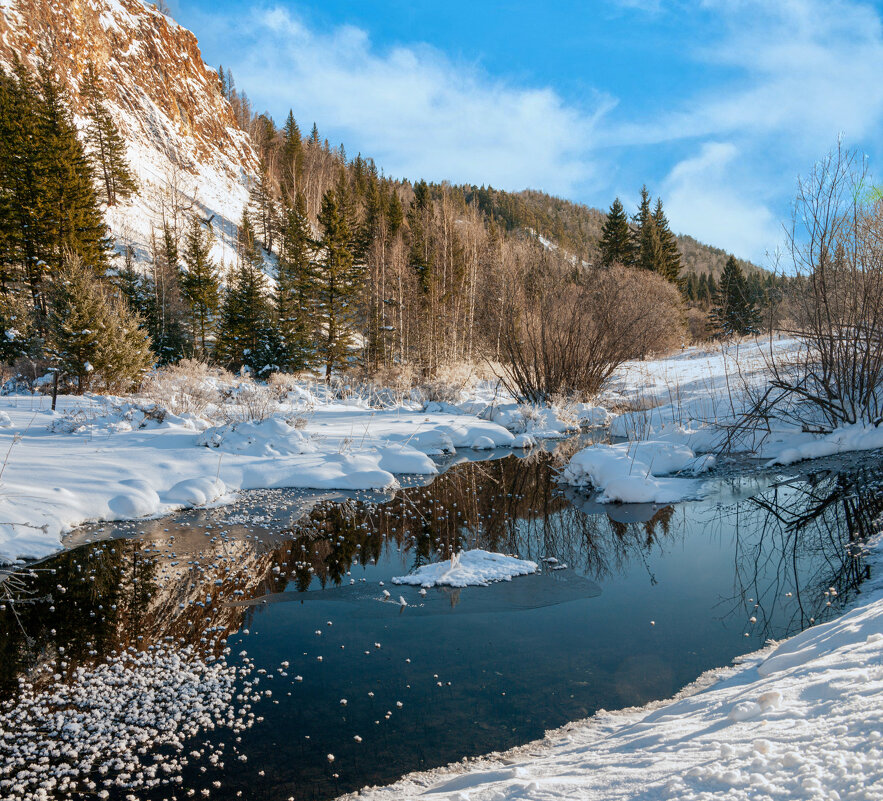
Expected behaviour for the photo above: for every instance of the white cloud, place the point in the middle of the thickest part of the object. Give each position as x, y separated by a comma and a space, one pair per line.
418, 113
788, 77
703, 198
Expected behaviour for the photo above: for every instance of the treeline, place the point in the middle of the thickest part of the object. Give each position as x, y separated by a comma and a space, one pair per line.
337, 265
56, 302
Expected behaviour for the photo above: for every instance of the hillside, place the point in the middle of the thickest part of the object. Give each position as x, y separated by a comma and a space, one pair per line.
577, 227
183, 141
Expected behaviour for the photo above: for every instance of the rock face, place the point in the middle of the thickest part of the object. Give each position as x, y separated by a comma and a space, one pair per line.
183, 140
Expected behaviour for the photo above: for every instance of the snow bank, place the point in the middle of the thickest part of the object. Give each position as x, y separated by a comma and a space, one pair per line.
104, 458
800, 720
629, 472
808, 446
474, 568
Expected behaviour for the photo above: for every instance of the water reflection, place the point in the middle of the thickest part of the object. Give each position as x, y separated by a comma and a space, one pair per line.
716, 578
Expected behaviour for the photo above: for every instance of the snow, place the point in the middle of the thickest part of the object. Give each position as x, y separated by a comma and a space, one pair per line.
628, 472
472, 568
802, 719
101, 458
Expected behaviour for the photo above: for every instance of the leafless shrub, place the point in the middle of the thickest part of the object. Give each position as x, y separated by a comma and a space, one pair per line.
250, 402
564, 332
188, 386
835, 377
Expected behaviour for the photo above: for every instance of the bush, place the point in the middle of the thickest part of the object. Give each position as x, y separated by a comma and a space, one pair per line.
190, 386
565, 331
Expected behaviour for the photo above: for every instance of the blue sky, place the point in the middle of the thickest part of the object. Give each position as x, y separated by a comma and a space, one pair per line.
716, 105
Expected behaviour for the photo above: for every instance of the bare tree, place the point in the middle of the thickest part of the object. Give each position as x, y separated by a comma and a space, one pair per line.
835, 376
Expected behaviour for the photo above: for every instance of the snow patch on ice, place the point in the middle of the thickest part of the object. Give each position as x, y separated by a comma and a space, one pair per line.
473, 568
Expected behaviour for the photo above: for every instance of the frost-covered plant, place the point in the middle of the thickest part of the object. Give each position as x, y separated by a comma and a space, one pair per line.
190, 386
250, 402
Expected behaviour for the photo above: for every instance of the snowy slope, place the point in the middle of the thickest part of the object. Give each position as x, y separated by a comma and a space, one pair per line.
182, 138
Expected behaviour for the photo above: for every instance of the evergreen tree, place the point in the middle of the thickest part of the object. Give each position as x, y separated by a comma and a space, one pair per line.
647, 247
295, 289
94, 337
166, 313
616, 237
735, 312
419, 218
24, 211
262, 209
107, 146
76, 223
292, 158
669, 265
245, 337
314, 135
338, 284
200, 284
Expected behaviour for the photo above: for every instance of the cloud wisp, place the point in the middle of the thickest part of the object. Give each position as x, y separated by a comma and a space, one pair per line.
790, 76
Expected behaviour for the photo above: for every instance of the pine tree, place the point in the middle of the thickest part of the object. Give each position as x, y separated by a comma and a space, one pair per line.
93, 336
200, 284
76, 223
669, 265
314, 135
292, 158
616, 237
295, 289
338, 284
735, 312
245, 337
107, 146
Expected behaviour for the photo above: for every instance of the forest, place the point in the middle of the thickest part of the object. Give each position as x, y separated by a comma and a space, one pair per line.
338, 267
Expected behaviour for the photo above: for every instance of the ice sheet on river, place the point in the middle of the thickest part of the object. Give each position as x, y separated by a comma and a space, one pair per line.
534, 591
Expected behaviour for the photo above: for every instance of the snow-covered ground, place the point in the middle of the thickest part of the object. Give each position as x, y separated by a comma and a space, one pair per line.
102, 458
99, 458
802, 719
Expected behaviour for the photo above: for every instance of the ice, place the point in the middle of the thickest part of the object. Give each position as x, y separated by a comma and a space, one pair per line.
473, 568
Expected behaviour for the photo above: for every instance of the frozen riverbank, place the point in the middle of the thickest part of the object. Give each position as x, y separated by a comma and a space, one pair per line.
802, 719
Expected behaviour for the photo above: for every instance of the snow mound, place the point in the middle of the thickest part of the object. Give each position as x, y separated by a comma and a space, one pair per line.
843, 440
273, 437
195, 491
629, 472
475, 568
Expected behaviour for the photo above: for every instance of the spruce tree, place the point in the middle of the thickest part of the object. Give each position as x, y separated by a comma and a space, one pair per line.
292, 158
200, 284
616, 237
24, 219
647, 246
669, 265
107, 146
295, 289
94, 337
76, 224
338, 283
734, 312
245, 335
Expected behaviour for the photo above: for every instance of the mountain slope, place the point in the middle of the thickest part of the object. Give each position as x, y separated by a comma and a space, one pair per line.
179, 128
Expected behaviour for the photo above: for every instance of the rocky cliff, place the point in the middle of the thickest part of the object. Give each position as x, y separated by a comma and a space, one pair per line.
183, 140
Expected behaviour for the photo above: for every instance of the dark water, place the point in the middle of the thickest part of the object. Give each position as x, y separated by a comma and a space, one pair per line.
649, 599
